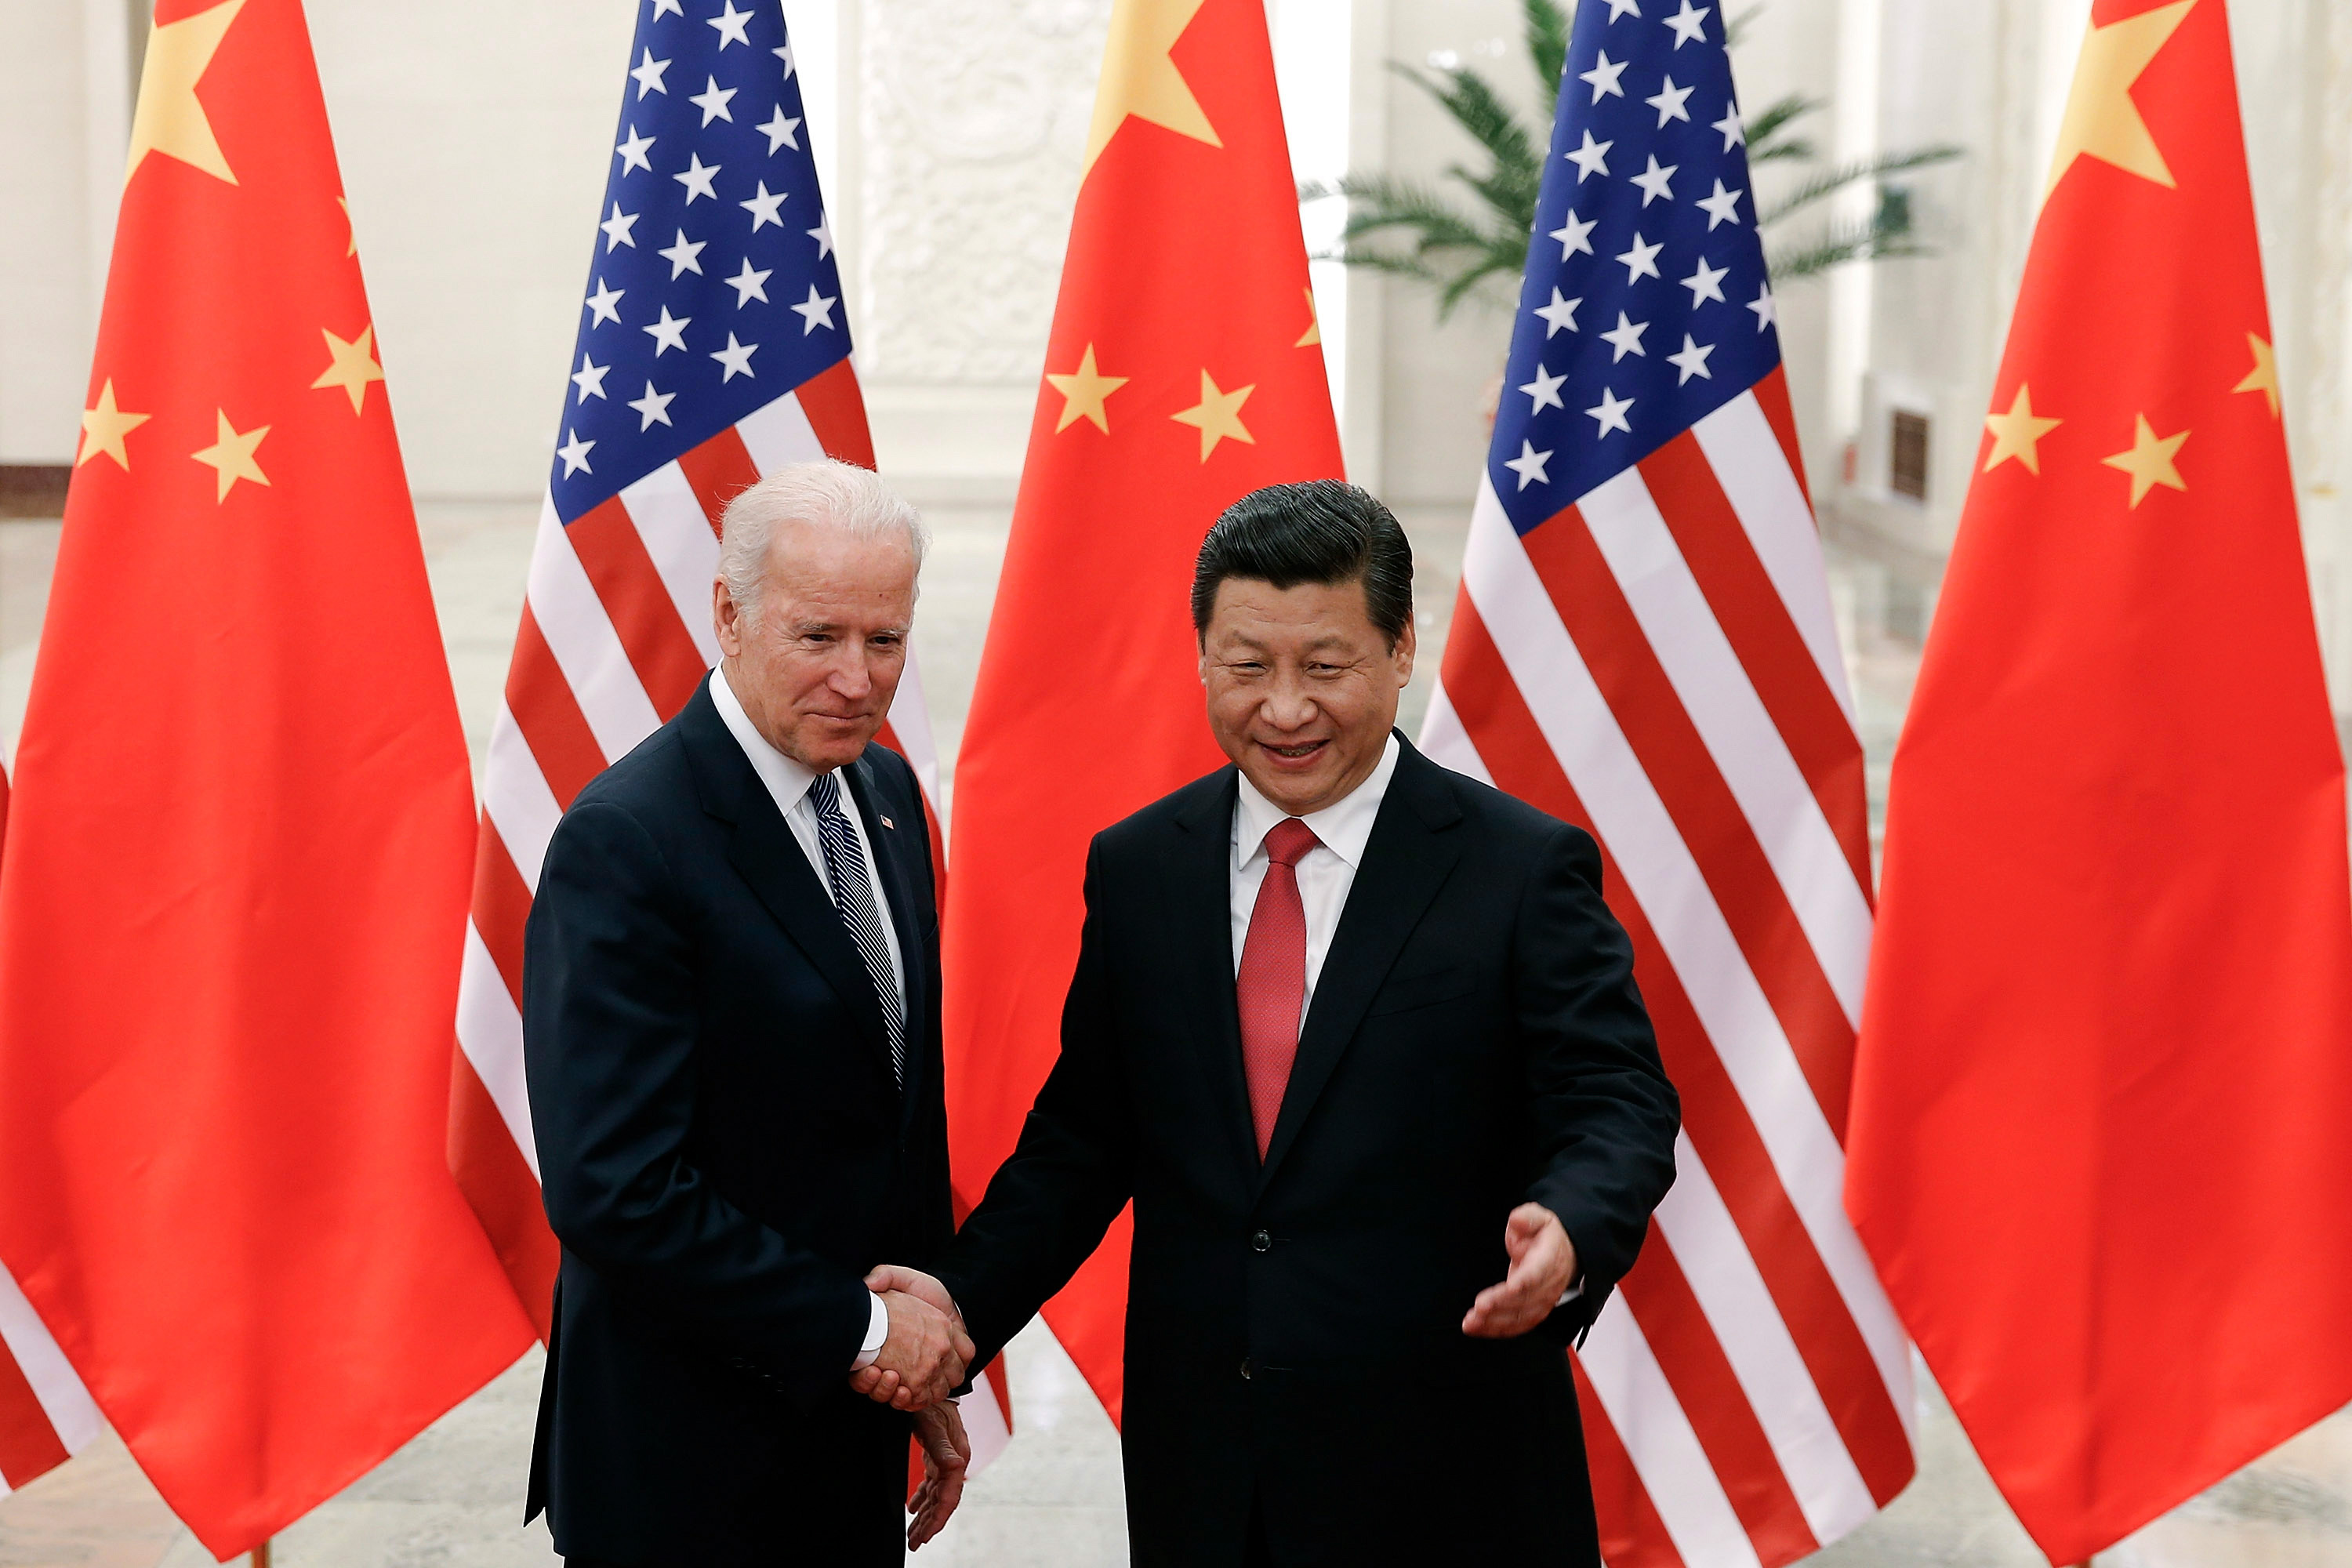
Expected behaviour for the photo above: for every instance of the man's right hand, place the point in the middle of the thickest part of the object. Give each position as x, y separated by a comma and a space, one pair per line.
922, 1358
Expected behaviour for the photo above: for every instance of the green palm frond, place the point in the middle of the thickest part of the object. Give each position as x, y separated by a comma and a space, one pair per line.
1410, 267
1439, 246
1479, 109
1765, 140
1411, 229
1380, 201
1498, 263
1830, 182
1837, 244
1509, 192
1547, 24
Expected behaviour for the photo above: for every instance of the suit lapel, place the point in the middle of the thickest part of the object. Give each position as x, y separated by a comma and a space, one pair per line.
1201, 922
890, 852
1411, 853
767, 856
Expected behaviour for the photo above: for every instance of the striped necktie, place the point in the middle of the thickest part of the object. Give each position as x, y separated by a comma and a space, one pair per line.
853, 895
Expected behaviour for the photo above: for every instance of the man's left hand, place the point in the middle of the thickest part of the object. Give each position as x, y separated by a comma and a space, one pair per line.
1543, 1265
947, 1454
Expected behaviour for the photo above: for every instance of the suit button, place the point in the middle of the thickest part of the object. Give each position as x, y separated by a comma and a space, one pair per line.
1249, 1368
1260, 1241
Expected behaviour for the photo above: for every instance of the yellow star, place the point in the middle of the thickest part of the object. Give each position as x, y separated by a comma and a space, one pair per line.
2101, 121
1217, 416
104, 426
1139, 79
352, 365
2149, 461
231, 456
169, 118
2017, 434
1314, 333
1084, 391
2263, 377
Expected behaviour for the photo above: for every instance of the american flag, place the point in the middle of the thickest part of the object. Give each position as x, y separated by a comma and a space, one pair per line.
712, 348
1643, 644
46, 1413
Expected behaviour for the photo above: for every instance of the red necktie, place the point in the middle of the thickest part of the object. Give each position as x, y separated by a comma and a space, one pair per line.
1271, 987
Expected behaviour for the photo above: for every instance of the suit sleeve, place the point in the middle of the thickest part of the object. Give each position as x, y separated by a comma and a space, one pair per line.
1048, 1207
609, 1028
941, 1188
1603, 1112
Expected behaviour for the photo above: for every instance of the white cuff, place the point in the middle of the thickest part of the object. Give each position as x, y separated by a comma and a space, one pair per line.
878, 1328
1570, 1294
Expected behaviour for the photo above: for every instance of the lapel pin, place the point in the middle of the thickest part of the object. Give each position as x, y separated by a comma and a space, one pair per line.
887, 823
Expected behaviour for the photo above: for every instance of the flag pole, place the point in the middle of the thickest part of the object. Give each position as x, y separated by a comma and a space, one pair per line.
260, 1554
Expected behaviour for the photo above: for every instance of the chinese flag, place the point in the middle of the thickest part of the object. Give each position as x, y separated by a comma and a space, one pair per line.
2099, 1139
239, 846
1184, 371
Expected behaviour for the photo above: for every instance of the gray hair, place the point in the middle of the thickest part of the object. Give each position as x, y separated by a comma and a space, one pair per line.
826, 491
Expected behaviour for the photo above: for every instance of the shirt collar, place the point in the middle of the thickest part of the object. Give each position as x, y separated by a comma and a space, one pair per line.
787, 780
1344, 827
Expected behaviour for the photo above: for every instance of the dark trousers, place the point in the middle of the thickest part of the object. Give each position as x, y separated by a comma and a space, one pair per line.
1256, 1551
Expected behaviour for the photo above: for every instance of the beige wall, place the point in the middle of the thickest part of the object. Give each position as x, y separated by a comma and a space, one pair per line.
48, 292
473, 143
1993, 77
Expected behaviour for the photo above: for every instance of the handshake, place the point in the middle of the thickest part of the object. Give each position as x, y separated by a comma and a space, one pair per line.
927, 1353
925, 1356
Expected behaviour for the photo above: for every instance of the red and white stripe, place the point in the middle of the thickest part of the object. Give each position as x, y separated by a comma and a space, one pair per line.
46, 1413
615, 635
1659, 663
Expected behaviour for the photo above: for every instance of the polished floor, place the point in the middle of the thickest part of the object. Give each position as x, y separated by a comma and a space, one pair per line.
452, 1499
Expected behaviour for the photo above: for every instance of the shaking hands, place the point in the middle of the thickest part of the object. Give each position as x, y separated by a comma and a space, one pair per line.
927, 1351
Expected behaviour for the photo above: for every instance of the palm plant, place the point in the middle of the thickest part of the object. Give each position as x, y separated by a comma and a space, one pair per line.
1413, 229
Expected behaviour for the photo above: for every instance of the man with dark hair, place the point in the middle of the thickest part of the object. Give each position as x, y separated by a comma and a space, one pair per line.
1360, 1040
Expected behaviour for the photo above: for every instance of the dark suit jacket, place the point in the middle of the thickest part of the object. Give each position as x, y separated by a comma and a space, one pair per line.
1294, 1329
724, 1154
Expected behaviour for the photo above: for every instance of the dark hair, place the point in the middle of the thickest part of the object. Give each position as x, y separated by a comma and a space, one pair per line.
1318, 530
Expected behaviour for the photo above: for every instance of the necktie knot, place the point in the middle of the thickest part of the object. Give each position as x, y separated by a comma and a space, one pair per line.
1289, 841
826, 793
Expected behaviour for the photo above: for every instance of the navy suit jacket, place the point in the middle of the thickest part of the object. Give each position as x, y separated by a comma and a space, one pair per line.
724, 1152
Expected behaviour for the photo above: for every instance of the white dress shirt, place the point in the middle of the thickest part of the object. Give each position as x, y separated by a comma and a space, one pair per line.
1326, 873
788, 784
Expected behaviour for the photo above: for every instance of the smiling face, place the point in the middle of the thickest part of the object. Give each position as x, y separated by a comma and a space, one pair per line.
1302, 686
817, 659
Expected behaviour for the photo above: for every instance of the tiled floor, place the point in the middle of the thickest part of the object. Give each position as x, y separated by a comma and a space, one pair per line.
452, 1499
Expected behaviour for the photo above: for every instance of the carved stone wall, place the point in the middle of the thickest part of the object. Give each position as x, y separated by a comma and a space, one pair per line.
971, 116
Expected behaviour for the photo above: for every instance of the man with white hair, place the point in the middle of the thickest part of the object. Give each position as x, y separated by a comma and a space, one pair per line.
731, 1027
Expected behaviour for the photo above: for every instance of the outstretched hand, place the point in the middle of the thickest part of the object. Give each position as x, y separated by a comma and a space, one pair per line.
1543, 1265
947, 1454
926, 1351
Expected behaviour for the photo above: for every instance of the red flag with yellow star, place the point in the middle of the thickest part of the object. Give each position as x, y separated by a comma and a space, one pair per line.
240, 843
1184, 369
2098, 1138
